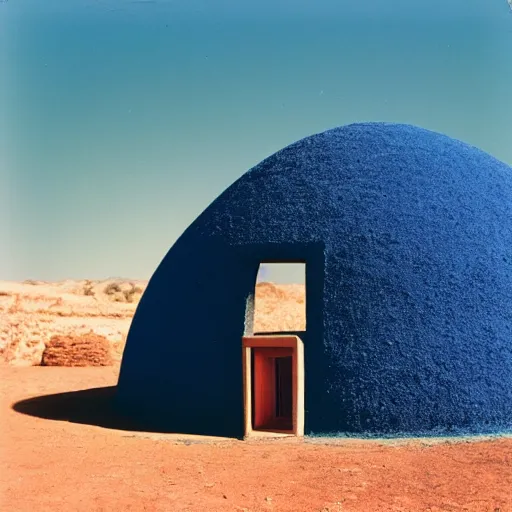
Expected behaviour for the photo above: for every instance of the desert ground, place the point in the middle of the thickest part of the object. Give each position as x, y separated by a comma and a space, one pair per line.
60, 348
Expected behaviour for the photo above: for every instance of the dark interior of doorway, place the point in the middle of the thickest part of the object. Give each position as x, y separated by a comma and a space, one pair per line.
281, 418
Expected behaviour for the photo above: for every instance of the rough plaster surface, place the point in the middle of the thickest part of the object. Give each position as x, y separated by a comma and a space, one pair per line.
407, 238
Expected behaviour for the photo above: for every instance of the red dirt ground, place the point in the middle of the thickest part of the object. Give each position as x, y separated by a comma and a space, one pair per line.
50, 465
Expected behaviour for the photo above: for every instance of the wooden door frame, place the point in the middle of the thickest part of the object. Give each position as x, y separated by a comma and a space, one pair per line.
275, 341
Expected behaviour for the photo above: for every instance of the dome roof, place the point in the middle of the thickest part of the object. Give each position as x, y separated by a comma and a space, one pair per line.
407, 239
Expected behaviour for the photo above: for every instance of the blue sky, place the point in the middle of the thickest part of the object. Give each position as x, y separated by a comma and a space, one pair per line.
122, 120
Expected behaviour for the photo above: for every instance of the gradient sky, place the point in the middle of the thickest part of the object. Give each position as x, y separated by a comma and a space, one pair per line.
122, 120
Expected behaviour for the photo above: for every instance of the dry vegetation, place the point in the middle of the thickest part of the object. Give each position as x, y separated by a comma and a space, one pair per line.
79, 314
85, 350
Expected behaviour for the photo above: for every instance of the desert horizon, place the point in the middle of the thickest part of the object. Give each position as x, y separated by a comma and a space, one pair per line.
71, 313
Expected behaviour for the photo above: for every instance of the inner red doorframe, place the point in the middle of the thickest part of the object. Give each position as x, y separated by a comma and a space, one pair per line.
266, 348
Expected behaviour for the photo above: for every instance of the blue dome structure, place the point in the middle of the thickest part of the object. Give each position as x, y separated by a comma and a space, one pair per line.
407, 239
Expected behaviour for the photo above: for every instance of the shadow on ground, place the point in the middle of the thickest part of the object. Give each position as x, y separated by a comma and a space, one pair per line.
99, 407
95, 406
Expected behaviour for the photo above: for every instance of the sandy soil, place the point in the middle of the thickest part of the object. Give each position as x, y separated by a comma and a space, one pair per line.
62, 448
55, 457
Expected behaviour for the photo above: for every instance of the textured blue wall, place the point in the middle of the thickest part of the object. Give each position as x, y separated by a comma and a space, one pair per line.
407, 239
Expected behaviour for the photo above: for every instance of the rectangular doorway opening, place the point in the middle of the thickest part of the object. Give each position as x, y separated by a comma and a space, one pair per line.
274, 384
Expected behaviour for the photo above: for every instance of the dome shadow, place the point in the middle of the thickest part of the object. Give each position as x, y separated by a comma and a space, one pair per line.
98, 407
94, 406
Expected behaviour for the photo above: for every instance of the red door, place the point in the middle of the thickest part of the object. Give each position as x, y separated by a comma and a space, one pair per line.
272, 388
